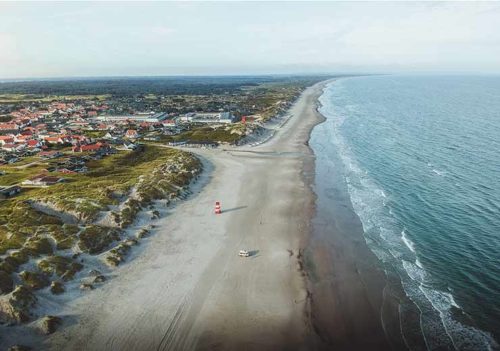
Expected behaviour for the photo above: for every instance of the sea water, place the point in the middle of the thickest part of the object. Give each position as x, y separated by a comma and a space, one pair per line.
421, 160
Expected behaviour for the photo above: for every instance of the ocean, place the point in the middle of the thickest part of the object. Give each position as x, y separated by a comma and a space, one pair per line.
420, 159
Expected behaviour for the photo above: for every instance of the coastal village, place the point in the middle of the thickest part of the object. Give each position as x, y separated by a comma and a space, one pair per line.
89, 129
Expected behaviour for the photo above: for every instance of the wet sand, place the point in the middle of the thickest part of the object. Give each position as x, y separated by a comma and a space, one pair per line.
352, 306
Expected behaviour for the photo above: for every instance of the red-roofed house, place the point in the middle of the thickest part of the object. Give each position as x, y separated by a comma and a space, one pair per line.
131, 134
6, 139
41, 127
9, 126
13, 147
55, 139
169, 123
32, 144
22, 138
89, 147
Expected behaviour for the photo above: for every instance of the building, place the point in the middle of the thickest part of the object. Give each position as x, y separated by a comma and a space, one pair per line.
169, 123
208, 117
13, 147
137, 118
6, 139
131, 134
50, 154
43, 180
90, 147
9, 127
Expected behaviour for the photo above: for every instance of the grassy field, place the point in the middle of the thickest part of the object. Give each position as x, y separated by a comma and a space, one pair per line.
28, 234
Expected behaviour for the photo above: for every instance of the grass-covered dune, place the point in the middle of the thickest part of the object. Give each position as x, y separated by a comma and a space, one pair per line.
40, 247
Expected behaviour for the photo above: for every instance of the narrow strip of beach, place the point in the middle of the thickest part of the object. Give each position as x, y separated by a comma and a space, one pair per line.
188, 288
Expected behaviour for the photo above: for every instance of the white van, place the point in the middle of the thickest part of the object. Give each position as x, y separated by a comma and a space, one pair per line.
244, 253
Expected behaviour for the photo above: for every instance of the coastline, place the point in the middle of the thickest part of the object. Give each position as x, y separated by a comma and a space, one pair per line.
304, 287
188, 289
352, 305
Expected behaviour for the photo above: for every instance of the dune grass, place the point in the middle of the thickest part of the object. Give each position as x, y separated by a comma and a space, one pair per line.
26, 233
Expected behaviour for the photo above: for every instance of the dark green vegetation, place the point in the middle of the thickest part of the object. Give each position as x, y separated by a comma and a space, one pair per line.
128, 181
20, 98
126, 86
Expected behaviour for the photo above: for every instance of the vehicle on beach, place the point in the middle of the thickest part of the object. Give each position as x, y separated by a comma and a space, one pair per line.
244, 253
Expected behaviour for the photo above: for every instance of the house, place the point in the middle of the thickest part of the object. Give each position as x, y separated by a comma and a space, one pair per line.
6, 139
41, 128
152, 137
50, 154
131, 134
77, 139
90, 147
13, 147
33, 144
55, 139
22, 138
43, 180
169, 123
109, 136
129, 146
9, 127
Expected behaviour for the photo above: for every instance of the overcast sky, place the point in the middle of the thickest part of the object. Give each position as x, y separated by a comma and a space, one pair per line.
116, 39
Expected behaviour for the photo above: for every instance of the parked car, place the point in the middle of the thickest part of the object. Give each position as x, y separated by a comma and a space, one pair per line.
244, 253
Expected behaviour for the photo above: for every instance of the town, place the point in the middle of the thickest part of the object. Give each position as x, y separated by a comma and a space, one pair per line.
51, 126
69, 130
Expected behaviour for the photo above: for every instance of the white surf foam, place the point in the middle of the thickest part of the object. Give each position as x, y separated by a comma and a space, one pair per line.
409, 244
418, 263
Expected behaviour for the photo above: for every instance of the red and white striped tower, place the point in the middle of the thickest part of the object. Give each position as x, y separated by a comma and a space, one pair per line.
217, 208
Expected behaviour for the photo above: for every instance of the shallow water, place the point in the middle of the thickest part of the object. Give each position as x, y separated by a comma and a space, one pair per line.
421, 159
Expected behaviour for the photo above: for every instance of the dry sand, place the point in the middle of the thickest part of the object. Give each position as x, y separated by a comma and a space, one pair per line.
188, 289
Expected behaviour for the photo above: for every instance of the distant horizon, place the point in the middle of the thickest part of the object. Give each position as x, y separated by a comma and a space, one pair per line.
243, 75
116, 39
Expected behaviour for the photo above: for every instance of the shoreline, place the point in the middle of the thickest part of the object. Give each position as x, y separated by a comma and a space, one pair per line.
353, 307
187, 288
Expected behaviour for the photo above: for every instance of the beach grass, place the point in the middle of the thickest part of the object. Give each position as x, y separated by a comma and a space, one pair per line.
27, 233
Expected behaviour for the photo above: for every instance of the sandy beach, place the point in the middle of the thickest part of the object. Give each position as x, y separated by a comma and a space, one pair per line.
310, 282
188, 289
